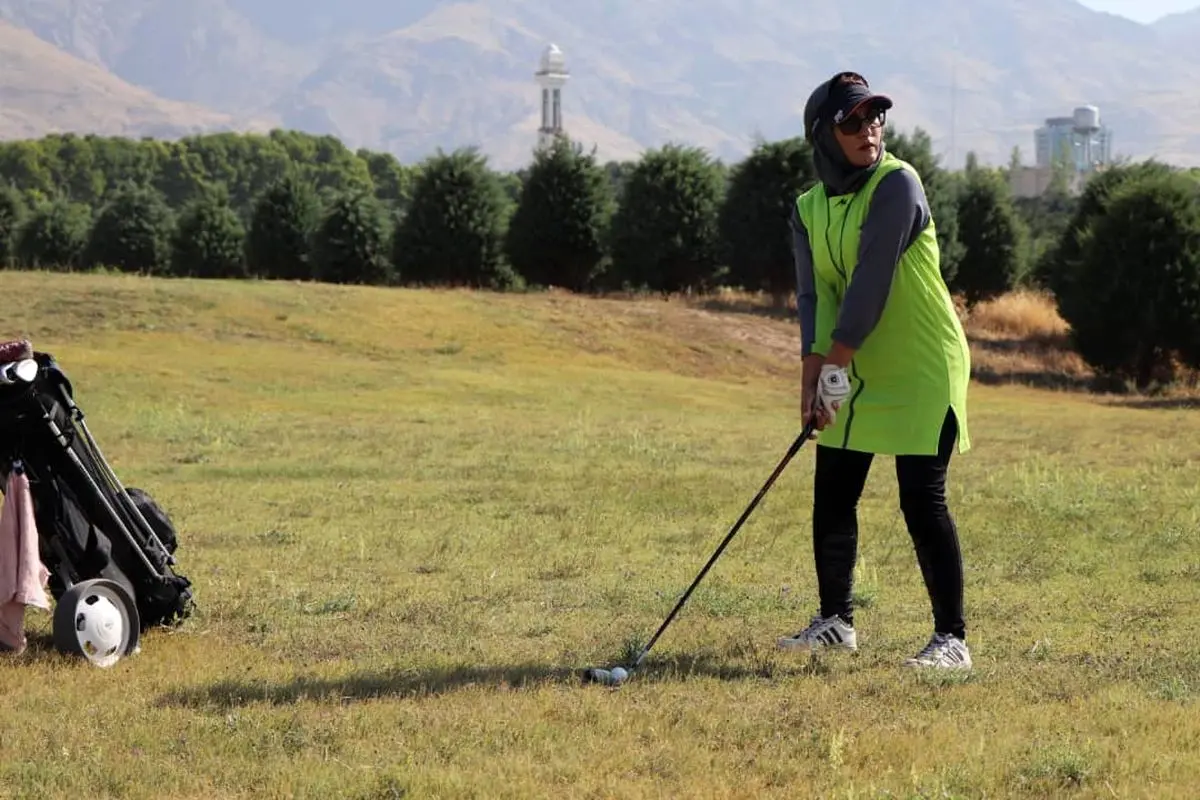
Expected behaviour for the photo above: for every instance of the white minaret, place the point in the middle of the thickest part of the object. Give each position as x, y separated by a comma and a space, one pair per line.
551, 76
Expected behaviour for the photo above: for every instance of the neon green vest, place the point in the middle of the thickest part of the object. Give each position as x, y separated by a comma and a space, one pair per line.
916, 362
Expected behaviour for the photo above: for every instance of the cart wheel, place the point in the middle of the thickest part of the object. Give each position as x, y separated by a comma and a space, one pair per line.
98, 620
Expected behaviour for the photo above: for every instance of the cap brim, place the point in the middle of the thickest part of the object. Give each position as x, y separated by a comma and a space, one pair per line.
880, 100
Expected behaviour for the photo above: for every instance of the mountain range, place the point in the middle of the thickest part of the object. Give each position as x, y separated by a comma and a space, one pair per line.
418, 75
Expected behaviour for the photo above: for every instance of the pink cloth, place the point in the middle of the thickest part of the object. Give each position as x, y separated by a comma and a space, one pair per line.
15, 350
23, 576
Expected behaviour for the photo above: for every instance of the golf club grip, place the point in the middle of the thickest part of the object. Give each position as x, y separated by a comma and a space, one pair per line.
779, 468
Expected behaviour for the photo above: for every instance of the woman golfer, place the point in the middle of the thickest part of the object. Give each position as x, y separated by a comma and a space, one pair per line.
886, 362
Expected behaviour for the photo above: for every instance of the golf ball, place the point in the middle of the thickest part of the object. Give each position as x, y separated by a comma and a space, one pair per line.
619, 674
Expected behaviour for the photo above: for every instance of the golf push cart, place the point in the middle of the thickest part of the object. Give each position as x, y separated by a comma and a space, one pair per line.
109, 550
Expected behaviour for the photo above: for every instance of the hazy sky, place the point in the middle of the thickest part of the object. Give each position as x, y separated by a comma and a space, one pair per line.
1142, 10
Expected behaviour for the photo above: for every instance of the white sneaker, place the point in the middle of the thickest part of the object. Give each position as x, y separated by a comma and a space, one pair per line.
944, 651
822, 632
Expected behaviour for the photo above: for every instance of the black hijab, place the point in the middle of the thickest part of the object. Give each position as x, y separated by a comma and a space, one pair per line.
832, 167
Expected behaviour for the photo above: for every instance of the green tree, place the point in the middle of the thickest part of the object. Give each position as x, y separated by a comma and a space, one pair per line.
73, 167
182, 175
1140, 304
992, 236
1061, 175
244, 163
511, 184
391, 179
55, 235
1045, 217
453, 232
1057, 267
209, 239
753, 216
556, 235
351, 243
618, 173
1014, 161
13, 212
121, 161
664, 234
282, 221
324, 161
941, 192
24, 164
132, 232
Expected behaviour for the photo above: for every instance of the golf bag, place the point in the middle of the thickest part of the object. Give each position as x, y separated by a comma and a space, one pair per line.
89, 526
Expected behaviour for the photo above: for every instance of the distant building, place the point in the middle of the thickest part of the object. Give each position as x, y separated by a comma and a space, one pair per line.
1034, 181
1077, 145
552, 75
1078, 140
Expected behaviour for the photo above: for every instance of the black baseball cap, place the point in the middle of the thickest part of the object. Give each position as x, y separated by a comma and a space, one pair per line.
835, 100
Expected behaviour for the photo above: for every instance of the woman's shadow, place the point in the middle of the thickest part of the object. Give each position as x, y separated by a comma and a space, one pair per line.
416, 682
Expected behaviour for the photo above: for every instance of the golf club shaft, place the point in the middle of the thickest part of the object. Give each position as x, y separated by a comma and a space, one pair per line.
795, 448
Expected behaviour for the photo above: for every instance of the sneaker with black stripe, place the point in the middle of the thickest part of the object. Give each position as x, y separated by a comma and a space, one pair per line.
822, 633
944, 651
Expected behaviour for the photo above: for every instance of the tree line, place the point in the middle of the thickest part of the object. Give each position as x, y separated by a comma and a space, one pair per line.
1122, 259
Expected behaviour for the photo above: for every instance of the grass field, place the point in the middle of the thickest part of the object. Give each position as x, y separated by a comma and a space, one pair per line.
413, 517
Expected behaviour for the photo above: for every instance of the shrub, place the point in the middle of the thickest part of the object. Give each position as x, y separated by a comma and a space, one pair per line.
132, 232
453, 231
282, 221
753, 217
664, 235
1139, 306
209, 239
1054, 270
992, 236
55, 235
556, 236
351, 243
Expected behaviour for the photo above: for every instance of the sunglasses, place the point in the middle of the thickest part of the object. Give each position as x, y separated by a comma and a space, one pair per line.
853, 124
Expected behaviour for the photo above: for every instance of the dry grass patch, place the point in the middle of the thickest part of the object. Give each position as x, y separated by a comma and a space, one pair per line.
1019, 337
1023, 315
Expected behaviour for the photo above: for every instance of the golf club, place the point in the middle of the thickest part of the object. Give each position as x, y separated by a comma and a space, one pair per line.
618, 675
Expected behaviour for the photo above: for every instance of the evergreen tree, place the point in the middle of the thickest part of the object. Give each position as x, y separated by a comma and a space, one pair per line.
453, 232
992, 236
209, 240
351, 243
556, 236
664, 234
55, 235
13, 213
754, 216
282, 221
1140, 303
132, 232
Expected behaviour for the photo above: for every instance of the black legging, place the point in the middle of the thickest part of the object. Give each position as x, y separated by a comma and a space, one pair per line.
839, 481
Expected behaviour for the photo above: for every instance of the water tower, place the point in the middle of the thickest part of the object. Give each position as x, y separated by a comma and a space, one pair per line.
551, 76
1087, 125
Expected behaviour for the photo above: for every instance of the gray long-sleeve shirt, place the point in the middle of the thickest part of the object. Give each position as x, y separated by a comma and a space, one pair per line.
897, 215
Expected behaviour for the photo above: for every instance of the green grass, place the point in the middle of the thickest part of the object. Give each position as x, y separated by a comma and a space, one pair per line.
413, 517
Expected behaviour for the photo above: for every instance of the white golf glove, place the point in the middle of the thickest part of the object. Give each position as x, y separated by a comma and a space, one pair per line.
833, 387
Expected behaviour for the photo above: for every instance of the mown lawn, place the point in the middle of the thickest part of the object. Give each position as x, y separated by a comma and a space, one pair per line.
412, 518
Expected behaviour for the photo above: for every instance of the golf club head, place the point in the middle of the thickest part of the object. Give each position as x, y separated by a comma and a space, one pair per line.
606, 677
